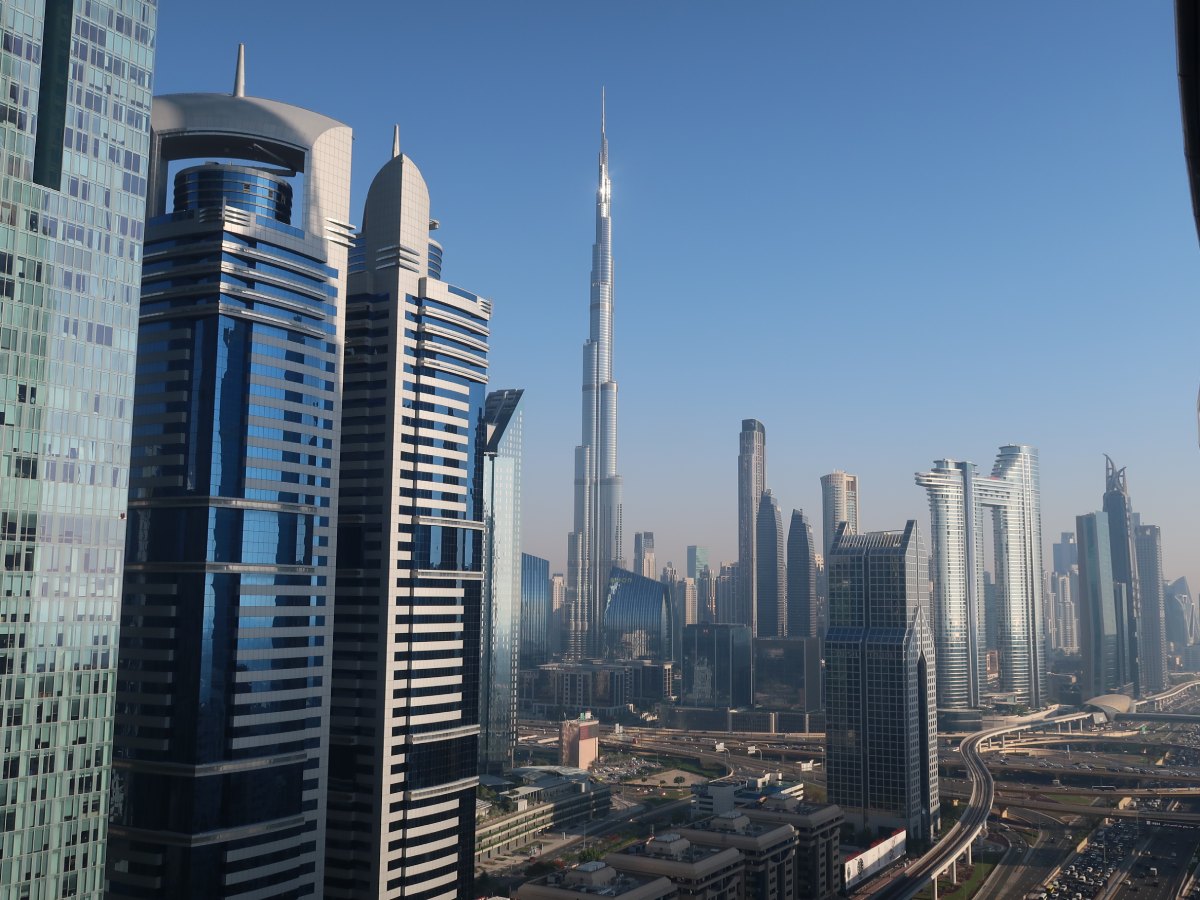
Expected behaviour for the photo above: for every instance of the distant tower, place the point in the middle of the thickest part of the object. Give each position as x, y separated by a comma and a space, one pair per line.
801, 578
752, 481
499, 442
1124, 571
958, 581
1153, 632
537, 614
880, 694
594, 545
559, 614
1099, 636
771, 583
839, 503
697, 560
643, 554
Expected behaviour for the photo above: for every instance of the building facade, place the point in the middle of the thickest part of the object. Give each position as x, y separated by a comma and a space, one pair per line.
880, 686
405, 724
770, 552
802, 611
818, 842
643, 554
638, 622
839, 503
768, 849
697, 560
958, 581
718, 666
1153, 630
1123, 555
537, 614
221, 738
594, 545
787, 674
499, 444
752, 481
957, 498
1099, 637
75, 148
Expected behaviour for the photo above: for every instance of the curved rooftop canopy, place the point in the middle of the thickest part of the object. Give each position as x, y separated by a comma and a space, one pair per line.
1112, 704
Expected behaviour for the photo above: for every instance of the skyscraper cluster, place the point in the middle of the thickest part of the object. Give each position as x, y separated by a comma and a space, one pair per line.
1122, 596
779, 574
275, 458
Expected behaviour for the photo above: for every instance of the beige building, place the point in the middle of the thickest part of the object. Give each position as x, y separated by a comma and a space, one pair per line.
579, 742
769, 850
699, 872
596, 879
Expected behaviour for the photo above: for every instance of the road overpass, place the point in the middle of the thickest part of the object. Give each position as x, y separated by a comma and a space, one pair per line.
957, 842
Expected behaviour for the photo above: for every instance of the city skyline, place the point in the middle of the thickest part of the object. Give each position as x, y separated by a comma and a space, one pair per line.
972, 137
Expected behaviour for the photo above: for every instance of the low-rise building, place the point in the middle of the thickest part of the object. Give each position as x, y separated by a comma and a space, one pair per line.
699, 872
769, 850
545, 798
818, 829
711, 798
596, 879
579, 741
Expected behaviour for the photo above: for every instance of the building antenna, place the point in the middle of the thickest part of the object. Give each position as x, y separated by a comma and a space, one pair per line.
395, 141
239, 74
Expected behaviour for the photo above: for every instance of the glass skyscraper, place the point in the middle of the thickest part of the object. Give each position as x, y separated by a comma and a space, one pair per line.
638, 623
223, 687
1153, 632
718, 665
958, 582
537, 614
801, 578
406, 678
499, 444
1120, 514
957, 497
74, 147
1099, 636
771, 581
752, 481
880, 696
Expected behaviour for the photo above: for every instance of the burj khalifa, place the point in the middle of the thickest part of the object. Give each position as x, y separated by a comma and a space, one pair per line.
594, 545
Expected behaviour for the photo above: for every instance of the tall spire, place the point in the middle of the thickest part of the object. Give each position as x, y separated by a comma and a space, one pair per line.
594, 545
395, 141
239, 73
603, 142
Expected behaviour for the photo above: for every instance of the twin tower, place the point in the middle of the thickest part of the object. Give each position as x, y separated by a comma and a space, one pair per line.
958, 496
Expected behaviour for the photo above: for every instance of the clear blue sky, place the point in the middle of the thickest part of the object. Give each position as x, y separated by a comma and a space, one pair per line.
892, 232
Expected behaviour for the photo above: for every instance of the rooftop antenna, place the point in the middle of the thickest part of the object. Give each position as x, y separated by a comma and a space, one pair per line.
239, 74
395, 141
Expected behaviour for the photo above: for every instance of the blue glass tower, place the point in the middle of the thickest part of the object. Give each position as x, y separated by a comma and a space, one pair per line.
74, 149
223, 686
536, 611
500, 443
